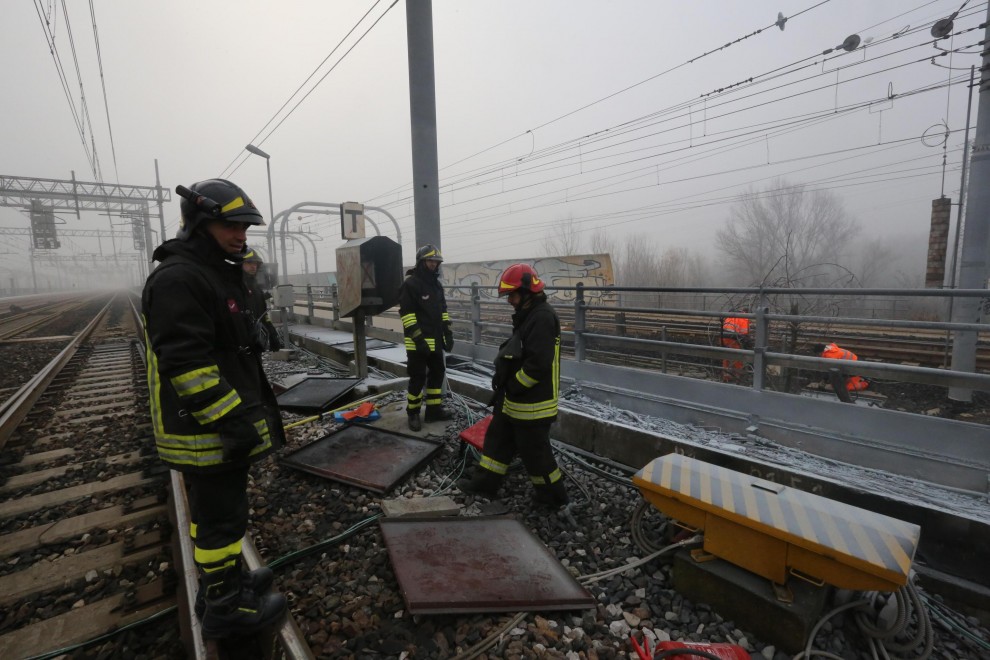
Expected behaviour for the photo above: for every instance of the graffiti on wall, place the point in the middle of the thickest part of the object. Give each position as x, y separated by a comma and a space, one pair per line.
589, 269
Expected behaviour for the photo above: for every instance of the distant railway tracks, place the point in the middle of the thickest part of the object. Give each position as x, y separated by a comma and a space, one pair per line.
892, 345
920, 347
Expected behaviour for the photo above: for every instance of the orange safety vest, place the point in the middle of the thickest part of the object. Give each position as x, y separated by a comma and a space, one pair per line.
736, 326
833, 352
853, 383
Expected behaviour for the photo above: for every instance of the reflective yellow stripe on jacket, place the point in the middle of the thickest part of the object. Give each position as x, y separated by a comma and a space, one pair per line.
410, 344
197, 380
540, 409
201, 449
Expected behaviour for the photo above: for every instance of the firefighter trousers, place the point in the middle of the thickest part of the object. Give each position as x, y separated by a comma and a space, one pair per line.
425, 370
531, 441
218, 514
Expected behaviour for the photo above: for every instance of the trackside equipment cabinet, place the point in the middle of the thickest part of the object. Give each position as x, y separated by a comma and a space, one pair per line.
773, 530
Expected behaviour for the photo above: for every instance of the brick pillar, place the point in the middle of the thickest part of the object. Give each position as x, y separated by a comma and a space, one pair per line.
938, 243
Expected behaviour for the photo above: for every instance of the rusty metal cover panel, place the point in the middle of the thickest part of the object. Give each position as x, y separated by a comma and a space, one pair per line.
315, 394
363, 456
477, 564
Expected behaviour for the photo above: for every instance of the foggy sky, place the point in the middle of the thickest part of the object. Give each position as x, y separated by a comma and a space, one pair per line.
547, 110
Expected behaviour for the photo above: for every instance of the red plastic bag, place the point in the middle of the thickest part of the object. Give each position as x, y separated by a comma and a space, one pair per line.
475, 435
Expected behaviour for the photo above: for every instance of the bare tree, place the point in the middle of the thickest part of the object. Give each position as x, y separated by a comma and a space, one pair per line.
875, 262
562, 239
681, 267
603, 243
788, 236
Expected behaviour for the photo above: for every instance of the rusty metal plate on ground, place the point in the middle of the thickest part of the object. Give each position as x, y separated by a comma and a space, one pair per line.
477, 564
363, 456
315, 394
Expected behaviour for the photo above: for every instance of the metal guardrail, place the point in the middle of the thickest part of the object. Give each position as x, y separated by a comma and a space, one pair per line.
761, 355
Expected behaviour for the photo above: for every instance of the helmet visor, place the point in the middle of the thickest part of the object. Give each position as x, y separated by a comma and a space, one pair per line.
237, 210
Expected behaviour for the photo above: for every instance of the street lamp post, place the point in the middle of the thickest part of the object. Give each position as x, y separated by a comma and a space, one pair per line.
271, 218
271, 204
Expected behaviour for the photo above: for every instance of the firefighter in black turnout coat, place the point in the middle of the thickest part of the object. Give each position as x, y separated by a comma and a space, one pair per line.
427, 328
526, 385
212, 409
264, 329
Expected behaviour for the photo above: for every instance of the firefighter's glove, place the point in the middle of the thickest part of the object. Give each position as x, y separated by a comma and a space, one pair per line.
448, 340
238, 436
422, 347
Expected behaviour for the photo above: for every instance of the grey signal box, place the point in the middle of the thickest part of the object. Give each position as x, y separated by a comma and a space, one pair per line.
369, 274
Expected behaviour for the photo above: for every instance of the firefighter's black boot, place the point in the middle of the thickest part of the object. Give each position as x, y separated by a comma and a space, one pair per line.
437, 414
415, 423
232, 609
484, 483
259, 581
552, 496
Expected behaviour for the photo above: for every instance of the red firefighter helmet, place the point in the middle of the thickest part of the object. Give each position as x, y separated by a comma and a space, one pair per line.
519, 277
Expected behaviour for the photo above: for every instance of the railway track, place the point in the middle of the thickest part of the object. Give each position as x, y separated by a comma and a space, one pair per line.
84, 530
86, 525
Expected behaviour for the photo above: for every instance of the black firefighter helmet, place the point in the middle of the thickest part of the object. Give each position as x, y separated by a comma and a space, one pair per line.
428, 251
214, 199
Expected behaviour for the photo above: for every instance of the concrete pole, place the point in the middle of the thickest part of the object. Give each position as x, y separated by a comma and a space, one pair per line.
423, 121
975, 246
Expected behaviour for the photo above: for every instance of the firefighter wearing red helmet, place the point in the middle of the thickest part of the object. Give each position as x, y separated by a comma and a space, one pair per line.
427, 328
526, 385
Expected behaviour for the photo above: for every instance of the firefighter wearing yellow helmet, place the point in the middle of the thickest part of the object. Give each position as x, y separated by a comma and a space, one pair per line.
427, 328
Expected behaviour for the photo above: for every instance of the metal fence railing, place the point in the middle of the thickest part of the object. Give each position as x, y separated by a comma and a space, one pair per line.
657, 327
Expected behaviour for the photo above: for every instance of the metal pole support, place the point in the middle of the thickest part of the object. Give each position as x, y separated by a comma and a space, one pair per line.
663, 351
579, 323
475, 314
335, 302
310, 308
360, 346
760, 347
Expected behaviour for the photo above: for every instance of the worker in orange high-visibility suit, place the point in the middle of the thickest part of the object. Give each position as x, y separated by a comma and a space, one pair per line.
735, 334
833, 352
